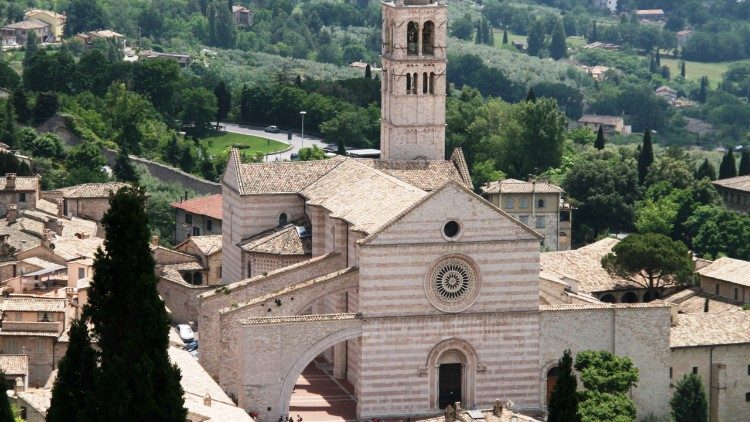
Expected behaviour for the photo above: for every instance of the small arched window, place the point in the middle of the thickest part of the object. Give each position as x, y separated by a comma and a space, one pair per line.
608, 298
283, 219
509, 203
387, 38
424, 83
540, 203
414, 83
408, 83
432, 82
524, 203
427, 38
412, 37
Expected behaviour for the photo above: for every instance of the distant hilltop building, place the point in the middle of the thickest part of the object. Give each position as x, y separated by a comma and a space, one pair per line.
610, 124
650, 15
242, 16
736, 193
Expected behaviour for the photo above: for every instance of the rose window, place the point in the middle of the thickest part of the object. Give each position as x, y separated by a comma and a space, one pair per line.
453, 280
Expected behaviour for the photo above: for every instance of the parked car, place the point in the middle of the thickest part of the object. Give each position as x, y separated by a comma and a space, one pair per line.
272, 129
331, 148
186, 333
193, 345
294, 156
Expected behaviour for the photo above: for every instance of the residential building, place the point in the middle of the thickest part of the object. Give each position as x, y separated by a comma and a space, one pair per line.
15, 367
88, 201
33, 403
87, 38
650, 15
208, 250
728, 278
181, 59
666, 93
31, 326
242, 16
56, 22
18, 193
16, 34
611, 124
538, 205
736, 193
196, 217
607, 4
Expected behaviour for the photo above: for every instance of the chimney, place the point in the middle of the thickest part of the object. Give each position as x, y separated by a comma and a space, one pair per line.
60, 208
10, 181
47, 237
12, 213
18, 387
155, 240
207, 400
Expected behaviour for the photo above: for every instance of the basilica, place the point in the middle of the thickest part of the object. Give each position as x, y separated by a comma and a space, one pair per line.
418, 291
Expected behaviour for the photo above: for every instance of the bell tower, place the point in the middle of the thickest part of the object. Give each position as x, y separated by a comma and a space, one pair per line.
413, 80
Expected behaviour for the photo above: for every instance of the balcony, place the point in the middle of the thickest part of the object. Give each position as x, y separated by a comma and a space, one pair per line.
47, 327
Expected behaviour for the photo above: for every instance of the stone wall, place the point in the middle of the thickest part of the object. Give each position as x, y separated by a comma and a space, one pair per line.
638, 331
725, 289
181, 299
725, 372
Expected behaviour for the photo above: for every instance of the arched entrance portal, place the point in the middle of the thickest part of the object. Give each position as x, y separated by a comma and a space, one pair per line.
551, 381
450, 378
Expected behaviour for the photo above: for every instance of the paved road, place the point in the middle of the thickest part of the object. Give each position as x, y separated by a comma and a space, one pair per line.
281, 137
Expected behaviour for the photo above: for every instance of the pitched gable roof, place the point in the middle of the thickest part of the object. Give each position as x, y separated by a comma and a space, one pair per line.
209, 206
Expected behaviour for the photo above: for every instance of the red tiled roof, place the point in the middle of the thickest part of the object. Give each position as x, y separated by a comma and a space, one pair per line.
206, 205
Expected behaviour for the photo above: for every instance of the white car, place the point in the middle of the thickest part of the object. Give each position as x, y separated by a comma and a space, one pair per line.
186, 333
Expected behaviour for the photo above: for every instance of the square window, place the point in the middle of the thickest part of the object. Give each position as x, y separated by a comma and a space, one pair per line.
670, 372
540, 222
509, 203
695, 370
736, 293
525, 219
22, 197
747, 396
717, 288
189, 218
209, 225
748, 369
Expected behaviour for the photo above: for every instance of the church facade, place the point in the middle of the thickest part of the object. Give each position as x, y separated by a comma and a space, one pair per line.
420, 292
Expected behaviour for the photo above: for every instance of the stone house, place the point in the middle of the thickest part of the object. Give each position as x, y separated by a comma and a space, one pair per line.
15, 367
19, 191
56, 22
88, 201
198, 216
33, 403
208, 250
87, 38
16, 34
536, 204
242, 16
736, 193
666, 93
728, 278
610, 124
31, 326
177, 272
650, 15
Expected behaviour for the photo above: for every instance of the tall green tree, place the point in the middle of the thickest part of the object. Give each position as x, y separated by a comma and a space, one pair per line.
563, 403
32, 46
85, 15
198, 110
646, 157
85, 164
600, 140
368, 72
594, 35
245, 105
130, 321
225, 28
682, 69
123, 169
689, 403
505, 37
706, 169
75, 378
558, 47
744, 163
21, 105
531, 96
651, 260
728, 166
607, 379
703, 93
6, 411
535, 39
9, 130
223, 102
47, 104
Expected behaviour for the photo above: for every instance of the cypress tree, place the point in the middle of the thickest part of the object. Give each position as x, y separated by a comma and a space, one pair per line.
21, 105
728, 167
646, 157
658, 58
706, 170
705, 305
223, 102
505, 37
682, 68
703, 93
531, 96
32, 47
135, 379
535, 40
341, 150
563, 402
744, 164
298, 79
245, 104
558, 48
9, 124
172, 153
594, 34
231, 4
6, 411
123, 168
478, 35
368, 72
689, 403
75, 377
599, 143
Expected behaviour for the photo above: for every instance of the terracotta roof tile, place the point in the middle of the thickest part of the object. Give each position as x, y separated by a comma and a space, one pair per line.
585, 266
520, 186
283, 176
693, 300
14, 364
33, 304
298, 318
606, 120
209, 206
208, 244
279, 241
92, 190
70, 248
39, 399
703, 329
738, 183
728, 269
425, 175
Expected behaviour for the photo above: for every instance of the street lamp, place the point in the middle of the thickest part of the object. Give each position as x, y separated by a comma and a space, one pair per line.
302, 113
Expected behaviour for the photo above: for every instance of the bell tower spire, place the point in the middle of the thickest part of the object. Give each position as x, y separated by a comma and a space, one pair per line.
413, 80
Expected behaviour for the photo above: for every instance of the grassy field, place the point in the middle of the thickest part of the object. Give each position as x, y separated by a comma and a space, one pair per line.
571, 41
219, 143
696, 70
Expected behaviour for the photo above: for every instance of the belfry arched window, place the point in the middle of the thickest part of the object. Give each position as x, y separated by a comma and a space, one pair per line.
428, 34
432, 82
424, 83
414, 83
412, 38
388, 38
408, 83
